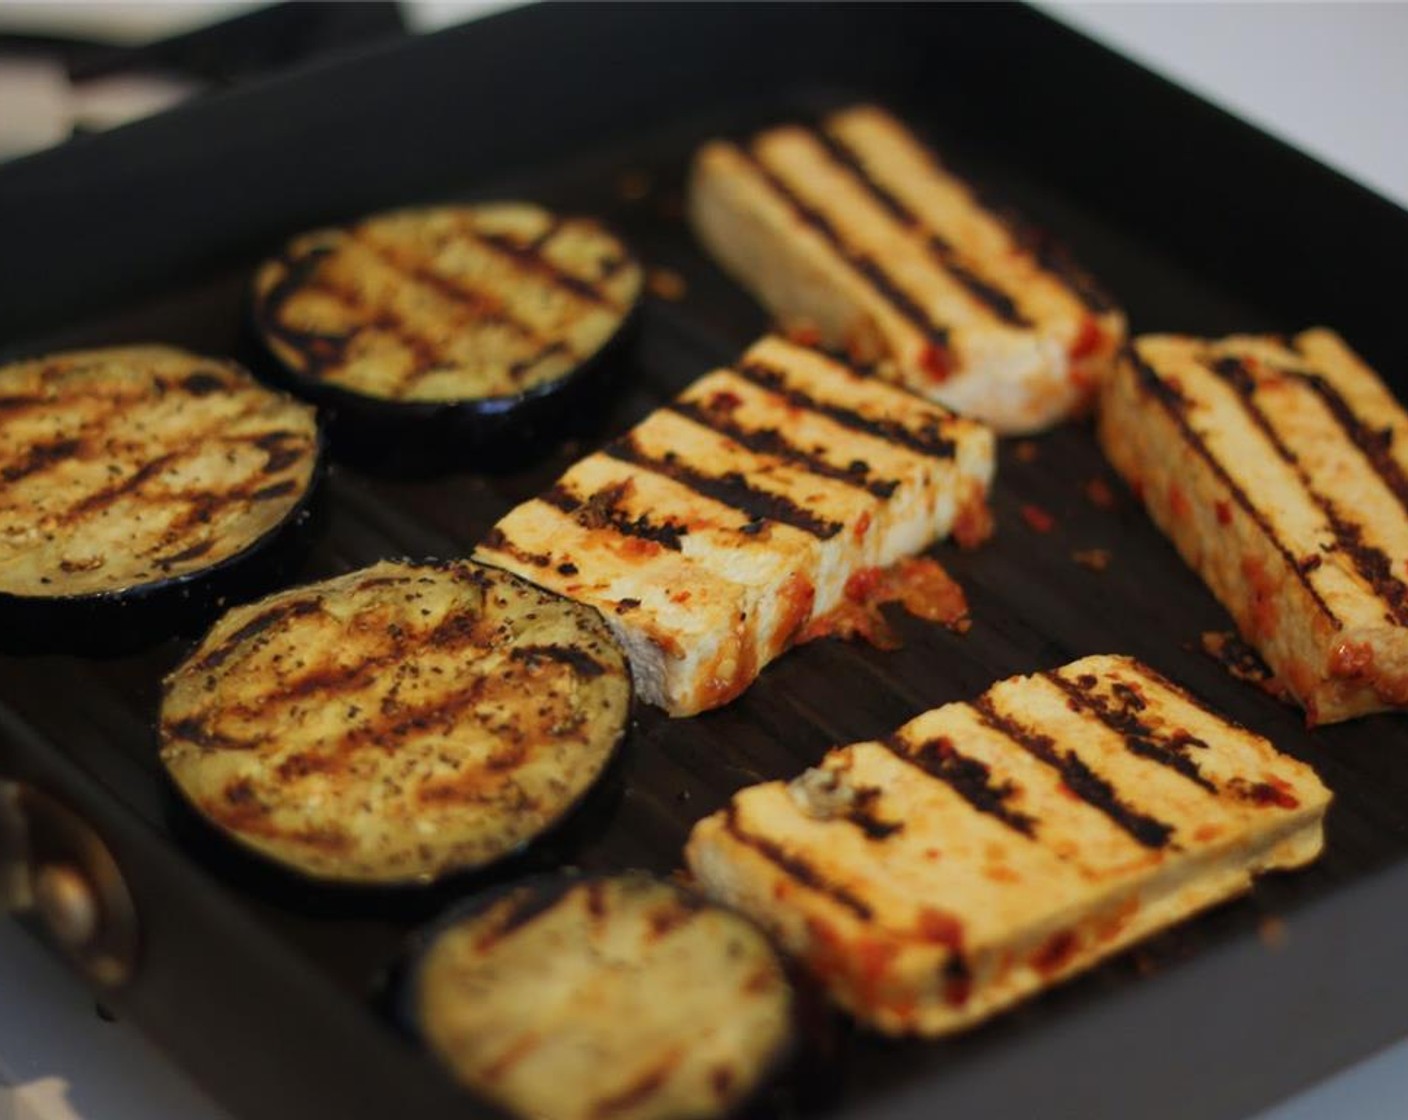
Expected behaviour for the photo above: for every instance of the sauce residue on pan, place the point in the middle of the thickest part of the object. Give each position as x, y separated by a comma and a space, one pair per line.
918, 583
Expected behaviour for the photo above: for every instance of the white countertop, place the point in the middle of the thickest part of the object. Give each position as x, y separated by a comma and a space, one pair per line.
1331, 78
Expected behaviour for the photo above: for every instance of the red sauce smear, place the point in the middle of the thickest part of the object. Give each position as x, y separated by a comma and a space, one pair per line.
919, 584
1090, 339
973, 525
1352, 659
937, 362
1099, 494
1037, 519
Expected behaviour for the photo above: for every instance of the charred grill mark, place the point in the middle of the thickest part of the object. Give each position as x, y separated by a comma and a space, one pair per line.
795, 867
20, 402
770, 441
602, 510
298, 273
326, 352
1372, 564
101, 499
275, 490
530, 259
194, 552
1175, 405
259, 624
579, 661
859, 262
640, 1090
523, 906
194, 730
497, 540
475, 305
999, 302
280, 455
730, 489
967, 777
1375, 445
1078, 777
1121, 715
861, 813
519, 369
40, 457
928, 440
204, 383
671, 916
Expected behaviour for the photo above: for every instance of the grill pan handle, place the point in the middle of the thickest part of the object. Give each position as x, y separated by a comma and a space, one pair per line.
56, 870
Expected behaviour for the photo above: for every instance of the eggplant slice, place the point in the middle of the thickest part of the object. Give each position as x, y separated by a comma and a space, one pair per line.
398, 723
130, 478
624, 996
478, 323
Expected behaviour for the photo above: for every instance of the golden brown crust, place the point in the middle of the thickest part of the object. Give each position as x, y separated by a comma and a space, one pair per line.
1277, 469
446, 303
134, 465
396, 723
989, 849
856, 233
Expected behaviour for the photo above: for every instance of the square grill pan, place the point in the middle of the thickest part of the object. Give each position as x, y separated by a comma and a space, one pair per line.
273, 993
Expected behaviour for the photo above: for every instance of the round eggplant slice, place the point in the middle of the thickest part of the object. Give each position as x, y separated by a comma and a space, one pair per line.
621, 996
130, 479
398, 723
480, 323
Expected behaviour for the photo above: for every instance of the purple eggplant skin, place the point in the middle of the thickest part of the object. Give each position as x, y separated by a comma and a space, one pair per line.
127, 620
425, 439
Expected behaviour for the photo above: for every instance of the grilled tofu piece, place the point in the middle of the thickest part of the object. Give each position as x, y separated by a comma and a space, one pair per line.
135, 466
853, 229
622, 997
447, 303
397, 723
711, 533
992, 848
1279, 469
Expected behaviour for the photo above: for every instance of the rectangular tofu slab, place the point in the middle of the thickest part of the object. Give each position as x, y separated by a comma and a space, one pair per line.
990, 849
1279, 469
717, 528
855, 231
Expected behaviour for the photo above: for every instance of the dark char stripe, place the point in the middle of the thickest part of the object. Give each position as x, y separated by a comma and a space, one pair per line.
1121, 715
967, 777
603, 511
1175, 404
769, 441
1372, 564
579, 661
529, 259
479, 307
731, 489
984, 291
1376, 445
261, 622
1078, 778
796, 867
928, 440
862, 263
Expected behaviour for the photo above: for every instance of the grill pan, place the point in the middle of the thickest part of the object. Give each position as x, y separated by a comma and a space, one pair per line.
277, 995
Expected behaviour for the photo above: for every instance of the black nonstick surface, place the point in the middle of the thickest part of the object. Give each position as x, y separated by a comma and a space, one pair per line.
276, 994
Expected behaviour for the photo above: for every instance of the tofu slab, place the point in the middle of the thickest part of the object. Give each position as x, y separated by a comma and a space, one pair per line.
712, 532
990, 849
854, 230
1279, 469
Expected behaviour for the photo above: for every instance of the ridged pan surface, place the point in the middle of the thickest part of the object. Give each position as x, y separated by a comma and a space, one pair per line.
1075, 568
